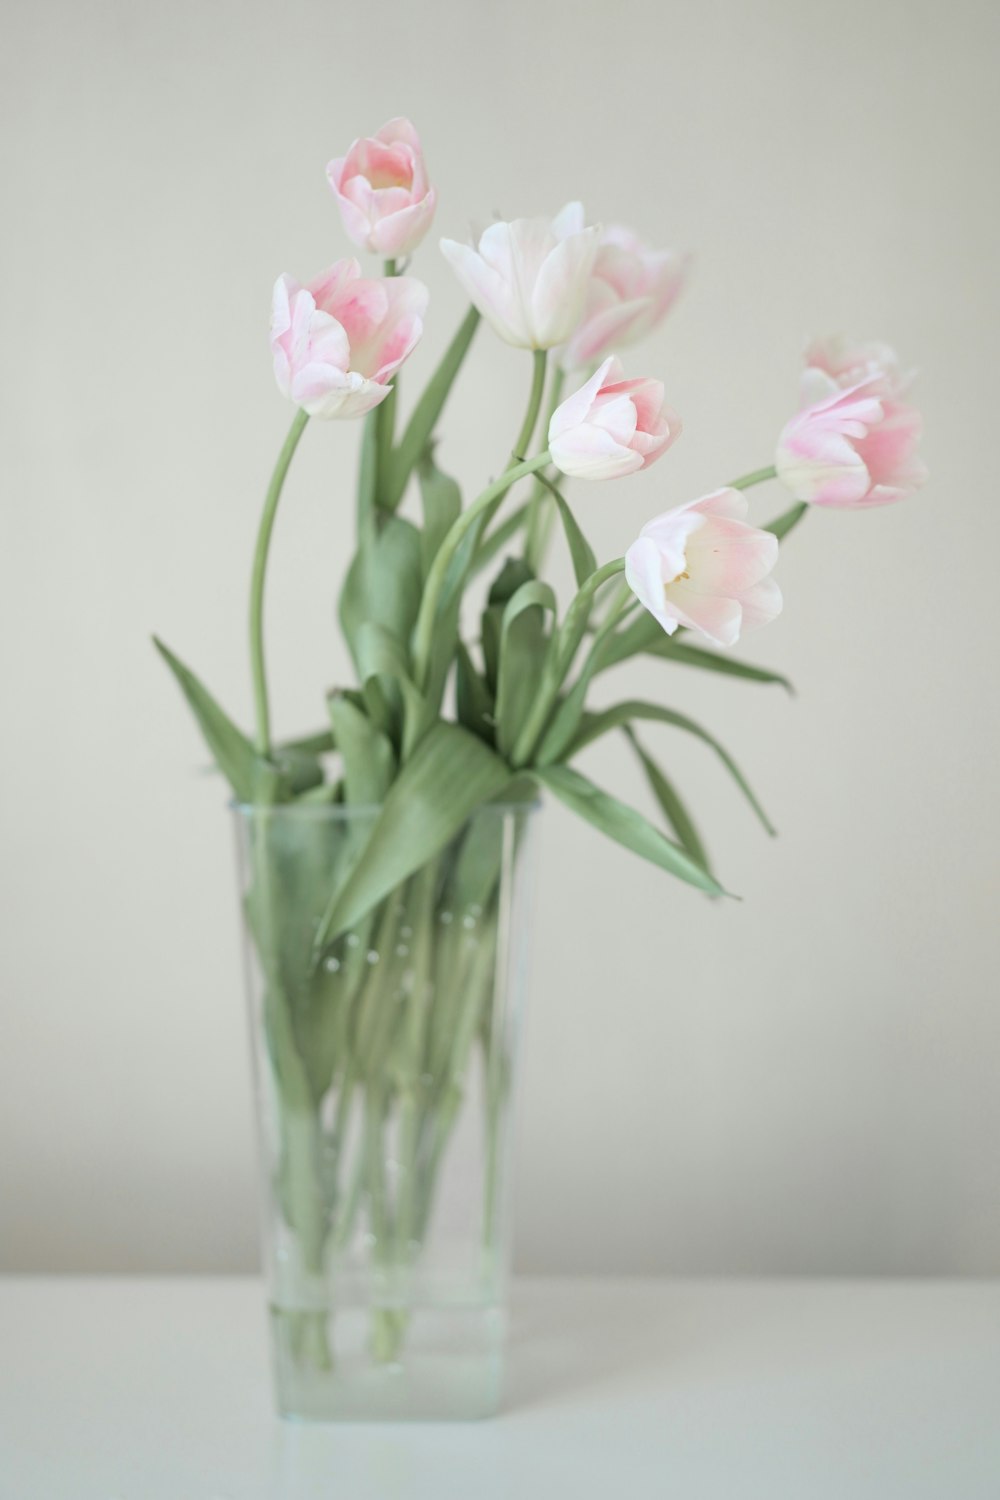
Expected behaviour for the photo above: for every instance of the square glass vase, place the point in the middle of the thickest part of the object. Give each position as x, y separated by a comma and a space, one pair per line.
384, 1064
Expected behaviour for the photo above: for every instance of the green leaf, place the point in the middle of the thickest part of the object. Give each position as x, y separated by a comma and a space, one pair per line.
712, 661
320, 743
490, 625
523, 647
625, 826
671, 805
473, 699
442, 505
426, 413
641, 635
580, 550
514, 573
450, 774
646, 635
782, 525
384, 584
369, 763
300, 771
234, 754
565, 722
392, 698
594, 725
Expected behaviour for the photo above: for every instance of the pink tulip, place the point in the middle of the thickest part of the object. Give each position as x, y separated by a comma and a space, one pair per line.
703, 567
631, 290
529, 278
611, 426
337, 341
854, 448
382, 190
832, 364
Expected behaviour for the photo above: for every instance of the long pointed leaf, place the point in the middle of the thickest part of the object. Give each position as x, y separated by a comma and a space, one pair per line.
442, 505
232, 751
713, 661
671, 803
367, 755
646, 636
580, 551
594, 725
625, 826
426, 412
450, 774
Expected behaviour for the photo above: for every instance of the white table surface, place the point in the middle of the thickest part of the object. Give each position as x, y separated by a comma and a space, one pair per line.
153, 1389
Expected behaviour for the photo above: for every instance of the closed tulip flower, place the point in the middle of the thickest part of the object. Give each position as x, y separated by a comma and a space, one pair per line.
382, 191
631, 290
855, 448
611, 426
703, 567
338, 341
529, 278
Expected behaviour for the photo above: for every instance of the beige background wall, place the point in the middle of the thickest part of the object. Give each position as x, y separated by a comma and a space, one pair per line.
804, 1082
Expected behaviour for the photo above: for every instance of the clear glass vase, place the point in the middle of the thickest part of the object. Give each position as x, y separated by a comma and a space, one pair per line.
384, 1070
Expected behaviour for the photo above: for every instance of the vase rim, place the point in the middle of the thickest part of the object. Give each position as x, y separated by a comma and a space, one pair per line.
342, 812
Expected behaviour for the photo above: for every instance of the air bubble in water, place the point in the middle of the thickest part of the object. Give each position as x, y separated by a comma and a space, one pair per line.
445, 918
352, 940
372, 956
332, 965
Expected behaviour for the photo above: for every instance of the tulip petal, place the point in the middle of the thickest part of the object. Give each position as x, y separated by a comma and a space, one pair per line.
487, 289
396, 232
561, 286
761, 604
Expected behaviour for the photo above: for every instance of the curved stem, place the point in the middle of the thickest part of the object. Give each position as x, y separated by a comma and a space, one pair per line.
479, 509
263, 740
534, 404
757, 476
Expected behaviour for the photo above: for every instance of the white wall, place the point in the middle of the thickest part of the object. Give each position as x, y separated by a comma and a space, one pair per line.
806, 1081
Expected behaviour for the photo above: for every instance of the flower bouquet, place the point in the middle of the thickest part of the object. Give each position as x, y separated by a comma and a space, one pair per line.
384, 858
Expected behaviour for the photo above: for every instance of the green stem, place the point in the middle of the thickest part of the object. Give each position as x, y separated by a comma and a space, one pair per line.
756, 476
257, 582
534, 544
561, 653
481, 509
534, 404
384, 423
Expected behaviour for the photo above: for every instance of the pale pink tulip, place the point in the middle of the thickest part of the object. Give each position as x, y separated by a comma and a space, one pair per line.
611, 426
631, 290
337, 341
382, 190
529, 278
832, 364
703, 567
855, 448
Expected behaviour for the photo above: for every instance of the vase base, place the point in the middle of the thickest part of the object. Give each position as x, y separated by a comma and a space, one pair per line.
388, 1364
